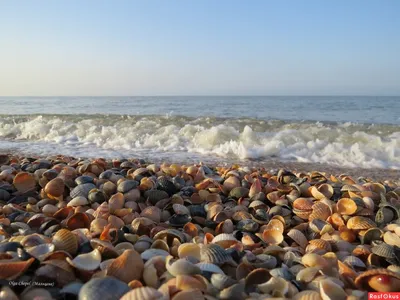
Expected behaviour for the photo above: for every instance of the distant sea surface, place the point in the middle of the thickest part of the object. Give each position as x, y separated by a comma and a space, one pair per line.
341, 131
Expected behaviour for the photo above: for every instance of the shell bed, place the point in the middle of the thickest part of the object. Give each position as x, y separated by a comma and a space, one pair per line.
127, 229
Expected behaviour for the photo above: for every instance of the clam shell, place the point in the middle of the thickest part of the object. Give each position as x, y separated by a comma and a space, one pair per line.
221, 281
107, 288
143, 293
127, 185
155, 195
153, 213
391, 238
322, 191
78, 201
379, 280
150, 253
298, 237
224, 240
24, 182
189, 249
65, 240
331, 290
82, 190
384, 250
346, 206
126, 267
209, 268
181, 267
86, 262
78, 220
271, 237
40, 250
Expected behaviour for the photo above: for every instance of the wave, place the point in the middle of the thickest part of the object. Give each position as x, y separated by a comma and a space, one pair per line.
155, 136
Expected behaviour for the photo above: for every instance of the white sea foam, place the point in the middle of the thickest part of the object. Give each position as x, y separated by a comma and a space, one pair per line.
179, 138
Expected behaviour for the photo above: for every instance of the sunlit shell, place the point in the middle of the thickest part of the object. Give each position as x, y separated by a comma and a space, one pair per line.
346, 206
225, 240
323, 191
277, 287
153, 213
150, 253
40, 250
360, 223
379, 280
65, 240
87, 262
78, 220
214, 254
307, 274
191, 229
24, 182
271, 236
126, 267
116, 201
391, 238
189, 249
230, 183
320, 211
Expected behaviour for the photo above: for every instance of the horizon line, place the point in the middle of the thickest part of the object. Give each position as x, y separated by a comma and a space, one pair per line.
203, 95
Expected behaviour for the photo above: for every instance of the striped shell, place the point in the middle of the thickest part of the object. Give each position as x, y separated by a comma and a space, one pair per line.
65, 240
360, 223
82, 190
143, 293
214, 254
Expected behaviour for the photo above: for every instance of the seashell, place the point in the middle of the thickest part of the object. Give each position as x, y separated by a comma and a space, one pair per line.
65, 240
370, 235
224, 240
189, 249
150, 253
181, 267
126, 267
354, 262
277, 287
49, 210
230, 183
24, 182
143, 243
193, 294
307, 295
346, 206
127, 185
320, 211
82, 190
384, 250
320, 244
271, 237
298, 237
143, 293
322, 191
78, 220
86, 262
330, 290
33, 240
221, 281
107, 288
12, 270
379, 280
209, 268
78, 201
170, 234
191, 229
214, 254
239, 192
234, 292
307, 274
180, 209
185, 282
40, 250
116, 201
391, 238
360, 223
256, 278
153, 213
164, 184
155, 195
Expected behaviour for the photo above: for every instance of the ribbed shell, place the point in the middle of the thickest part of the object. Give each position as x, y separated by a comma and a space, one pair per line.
384, 250
143, 293
107, 288
127, 185
214, 254
65, 240
155, 195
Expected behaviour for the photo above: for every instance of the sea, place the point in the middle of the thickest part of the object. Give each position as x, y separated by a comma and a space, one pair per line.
345, 131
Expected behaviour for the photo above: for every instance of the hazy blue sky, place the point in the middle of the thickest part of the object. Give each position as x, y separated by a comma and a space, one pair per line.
199, 47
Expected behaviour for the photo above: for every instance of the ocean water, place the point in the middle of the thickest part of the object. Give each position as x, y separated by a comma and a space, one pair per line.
342, 131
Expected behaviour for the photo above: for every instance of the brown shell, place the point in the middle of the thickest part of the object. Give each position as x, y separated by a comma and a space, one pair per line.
127, 267
55, 188
78, 220
360, 223
24, 182
65, 240
346, 206
12, 270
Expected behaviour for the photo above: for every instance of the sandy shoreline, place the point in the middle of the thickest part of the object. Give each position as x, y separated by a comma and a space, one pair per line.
373, 173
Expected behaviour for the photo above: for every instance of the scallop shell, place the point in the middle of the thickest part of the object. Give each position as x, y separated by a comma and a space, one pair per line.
143, 293
40, 250
360, 223
107, 288
221, 281
322, 191
209, 268
155, 195
331, 290
346, 206
87, 262
214, 254
384, 250
271, 237
78, 201
65, 240
78, 220
127, 267
224, 240
189, 249
391, 238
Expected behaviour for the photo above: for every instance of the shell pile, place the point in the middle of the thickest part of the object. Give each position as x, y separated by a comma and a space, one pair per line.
126, 229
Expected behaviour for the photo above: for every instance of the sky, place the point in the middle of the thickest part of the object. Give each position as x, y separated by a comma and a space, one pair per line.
203, 47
